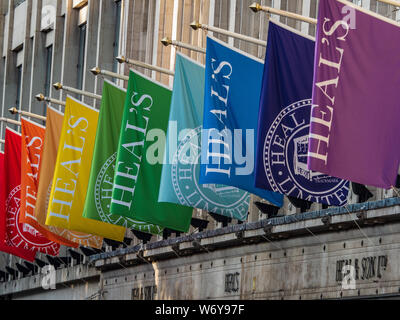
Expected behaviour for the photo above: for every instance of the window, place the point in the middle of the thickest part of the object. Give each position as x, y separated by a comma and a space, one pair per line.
313, 14
18, 2
117, 34
49, 59
291, 6
19, 84
81, 56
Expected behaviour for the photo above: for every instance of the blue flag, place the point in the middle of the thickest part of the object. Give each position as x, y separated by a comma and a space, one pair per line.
231, 106
284, 122
181, 169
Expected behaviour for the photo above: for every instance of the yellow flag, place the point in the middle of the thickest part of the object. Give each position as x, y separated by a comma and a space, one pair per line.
65, 237
71, 176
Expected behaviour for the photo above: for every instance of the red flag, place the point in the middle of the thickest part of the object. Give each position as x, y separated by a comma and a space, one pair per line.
7, 203
20, 239
31, 152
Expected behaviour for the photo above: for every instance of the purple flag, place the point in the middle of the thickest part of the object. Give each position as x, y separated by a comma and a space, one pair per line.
355, 118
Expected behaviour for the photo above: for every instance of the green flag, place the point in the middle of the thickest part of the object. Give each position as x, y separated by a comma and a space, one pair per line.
98, 199
139, 160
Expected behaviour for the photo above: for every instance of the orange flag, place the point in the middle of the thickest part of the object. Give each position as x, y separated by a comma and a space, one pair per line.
31, 151
54, 125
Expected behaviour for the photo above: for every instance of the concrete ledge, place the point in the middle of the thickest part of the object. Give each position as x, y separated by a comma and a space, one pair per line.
69, 275
332, 219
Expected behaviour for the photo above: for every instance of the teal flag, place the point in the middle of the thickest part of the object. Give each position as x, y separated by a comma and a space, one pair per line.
98, 199
180, 175
140, 157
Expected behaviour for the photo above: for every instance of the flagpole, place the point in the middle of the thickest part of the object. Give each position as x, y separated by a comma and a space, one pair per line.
97, 71
257, 7
197, 25
122, 59
15, 111
17, 123
167, 41
393, 3
2, 141
59, 86
40, 97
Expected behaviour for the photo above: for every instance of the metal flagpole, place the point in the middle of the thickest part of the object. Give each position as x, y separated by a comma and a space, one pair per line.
59, 86
257, 7
122, 59
167, 41
40, 97
17, 123
97, 71
393, 3
196, 25
25, 113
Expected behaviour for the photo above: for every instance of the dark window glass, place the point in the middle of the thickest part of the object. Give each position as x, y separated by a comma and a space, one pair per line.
49, 59
19, 84
81, 57
117, 34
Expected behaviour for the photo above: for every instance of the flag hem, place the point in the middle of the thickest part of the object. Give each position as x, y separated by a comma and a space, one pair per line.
236, 49
150, 79
33, 122
284, 26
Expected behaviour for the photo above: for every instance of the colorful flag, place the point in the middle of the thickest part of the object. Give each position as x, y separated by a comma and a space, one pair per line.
98, 200
139, 159
355, 115
5, 245
16, 238
31, 152
231, 106
180, 174
284, 122
65, 237
71, 175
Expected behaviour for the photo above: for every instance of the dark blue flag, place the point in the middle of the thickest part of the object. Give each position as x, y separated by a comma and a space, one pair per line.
231, 106
284, 122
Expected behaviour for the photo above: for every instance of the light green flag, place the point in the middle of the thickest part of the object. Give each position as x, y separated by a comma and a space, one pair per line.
98, 199
139, 160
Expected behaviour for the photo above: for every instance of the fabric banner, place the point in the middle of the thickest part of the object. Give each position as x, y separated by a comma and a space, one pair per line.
65, 237
180, 174
284, 122
71, 175
5, 245
355, 115
139, 159
98, 200
18, 239
231, 106
31, 152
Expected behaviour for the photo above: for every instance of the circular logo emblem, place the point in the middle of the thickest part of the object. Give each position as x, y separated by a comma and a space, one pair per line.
22, 234
103, 195
185, 171
285, 159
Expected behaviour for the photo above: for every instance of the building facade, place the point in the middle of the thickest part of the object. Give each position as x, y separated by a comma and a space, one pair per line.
299, 255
